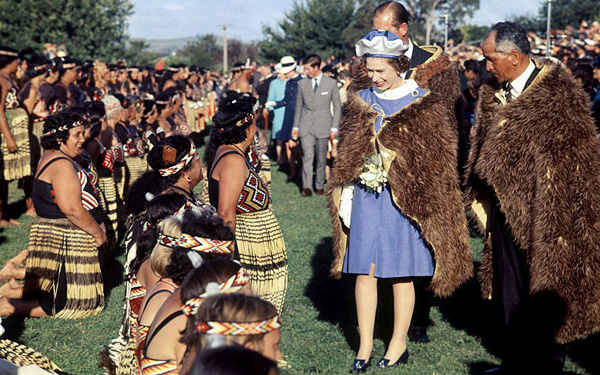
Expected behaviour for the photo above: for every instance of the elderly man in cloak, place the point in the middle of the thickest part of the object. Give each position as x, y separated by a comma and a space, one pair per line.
534, 181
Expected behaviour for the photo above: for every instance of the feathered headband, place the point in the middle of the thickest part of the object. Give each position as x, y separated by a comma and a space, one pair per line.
381, 43
260, 327
231, 285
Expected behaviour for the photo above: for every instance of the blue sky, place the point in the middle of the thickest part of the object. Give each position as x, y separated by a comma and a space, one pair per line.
166, 19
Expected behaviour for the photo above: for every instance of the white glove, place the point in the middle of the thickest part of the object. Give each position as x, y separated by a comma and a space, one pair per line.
270, 104
346, 204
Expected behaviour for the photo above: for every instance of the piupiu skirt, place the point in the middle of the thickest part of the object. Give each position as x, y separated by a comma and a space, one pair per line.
22, 355
120, 178
16, 165
262, 252
136, 167
265, 172
108, 201
62, 270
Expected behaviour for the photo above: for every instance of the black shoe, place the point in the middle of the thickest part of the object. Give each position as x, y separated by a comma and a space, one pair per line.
359, 366
385, 363
418, 335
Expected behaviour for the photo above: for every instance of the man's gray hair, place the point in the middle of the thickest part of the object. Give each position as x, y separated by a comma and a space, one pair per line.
510, 36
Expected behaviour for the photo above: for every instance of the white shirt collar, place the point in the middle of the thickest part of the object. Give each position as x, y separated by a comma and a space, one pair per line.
411, 48
408, 53
318, 78
406, 88
518, 85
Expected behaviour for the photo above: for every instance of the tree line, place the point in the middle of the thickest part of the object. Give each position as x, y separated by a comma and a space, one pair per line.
98, 28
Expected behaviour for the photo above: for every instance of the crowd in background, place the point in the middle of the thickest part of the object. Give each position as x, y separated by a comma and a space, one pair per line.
139, 128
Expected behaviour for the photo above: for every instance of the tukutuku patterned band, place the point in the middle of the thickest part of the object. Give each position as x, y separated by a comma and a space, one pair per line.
64, 128
206, 245
231, 285
168, 241
179, 166
239, 328
246, 120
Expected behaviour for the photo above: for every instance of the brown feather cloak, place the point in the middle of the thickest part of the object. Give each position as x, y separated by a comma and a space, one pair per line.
419, 148
541, 155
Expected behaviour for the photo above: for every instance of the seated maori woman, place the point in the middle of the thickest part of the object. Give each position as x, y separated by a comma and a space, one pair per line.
206, 249
233, 319
63, 275
140, 276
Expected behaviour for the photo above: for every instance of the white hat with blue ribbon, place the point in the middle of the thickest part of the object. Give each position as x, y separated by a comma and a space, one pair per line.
381, 43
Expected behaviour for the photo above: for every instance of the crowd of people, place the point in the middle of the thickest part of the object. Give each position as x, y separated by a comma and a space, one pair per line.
107, 156
108, 160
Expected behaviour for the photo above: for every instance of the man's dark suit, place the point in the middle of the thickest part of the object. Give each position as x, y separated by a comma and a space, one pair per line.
419, 56
423, 297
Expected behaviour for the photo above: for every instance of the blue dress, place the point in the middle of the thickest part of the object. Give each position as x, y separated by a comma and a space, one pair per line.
277, 93
380, 233
289, 102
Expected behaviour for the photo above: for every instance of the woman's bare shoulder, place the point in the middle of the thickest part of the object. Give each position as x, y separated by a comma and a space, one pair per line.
58, 164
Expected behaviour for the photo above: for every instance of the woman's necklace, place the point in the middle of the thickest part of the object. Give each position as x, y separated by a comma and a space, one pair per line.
189, 194
169, 282
248, 162
240, 150
62, 152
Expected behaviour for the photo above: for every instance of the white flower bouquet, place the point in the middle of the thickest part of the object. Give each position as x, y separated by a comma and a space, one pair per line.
374, 176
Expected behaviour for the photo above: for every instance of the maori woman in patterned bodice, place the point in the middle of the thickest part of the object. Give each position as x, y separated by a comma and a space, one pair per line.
63, 275
242, 199
230, 168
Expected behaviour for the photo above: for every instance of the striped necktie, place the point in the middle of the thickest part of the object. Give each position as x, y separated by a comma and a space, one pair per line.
507, 93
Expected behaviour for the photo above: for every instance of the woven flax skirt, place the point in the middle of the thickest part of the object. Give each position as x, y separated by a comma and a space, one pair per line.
108, 201
18, 164
55, 246
262, 252
136, 167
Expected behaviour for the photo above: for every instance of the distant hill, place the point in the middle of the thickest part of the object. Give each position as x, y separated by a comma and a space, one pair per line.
165, 47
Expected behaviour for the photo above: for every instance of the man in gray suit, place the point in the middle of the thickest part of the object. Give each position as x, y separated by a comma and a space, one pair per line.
314, 122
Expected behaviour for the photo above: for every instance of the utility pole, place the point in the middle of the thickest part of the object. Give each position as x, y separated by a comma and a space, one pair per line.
445, 17
225, 49
548, 28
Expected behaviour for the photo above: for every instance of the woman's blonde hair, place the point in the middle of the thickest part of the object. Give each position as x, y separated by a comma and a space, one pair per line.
159, 259
230, 308
99, 70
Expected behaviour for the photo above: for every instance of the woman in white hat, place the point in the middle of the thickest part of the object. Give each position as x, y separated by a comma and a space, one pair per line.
292, 148
394, 194
277, 93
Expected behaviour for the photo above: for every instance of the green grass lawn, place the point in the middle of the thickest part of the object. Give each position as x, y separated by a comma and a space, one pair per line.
319, 334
